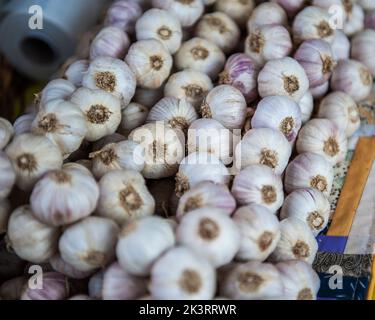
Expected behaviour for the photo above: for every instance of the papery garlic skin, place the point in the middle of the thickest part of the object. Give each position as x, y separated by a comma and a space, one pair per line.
142, 242
292, 7
260, 232
238, 10
353, 78
75, 72
181, 274
89, 244
133, 116
23, 123
6, 132
323, 137
363, 47
267, 14
340, 46
252, 281
200, 55
355, 21
59, 265
118, 284
264, 146
102, 112
300, 280
162, 26
4, 215
58, 89
30, 239
187, 12
7, 176
308, 205
342, 110
258, 184
65, 196
297, 242
306, 104
320, 91
283, 77
309, 170
31, 157
150, 62
123, 14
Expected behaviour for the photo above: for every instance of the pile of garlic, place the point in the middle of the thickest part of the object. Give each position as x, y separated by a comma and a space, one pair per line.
148, 170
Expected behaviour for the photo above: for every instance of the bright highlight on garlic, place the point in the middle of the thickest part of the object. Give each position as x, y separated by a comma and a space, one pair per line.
58, 89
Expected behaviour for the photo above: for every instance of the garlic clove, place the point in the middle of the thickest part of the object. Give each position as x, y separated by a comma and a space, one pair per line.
4, 215
59, 265
6, 132
363, 47
75, 72
7, 176
133, 116
306, 104
238, 10
123, 14
267, 14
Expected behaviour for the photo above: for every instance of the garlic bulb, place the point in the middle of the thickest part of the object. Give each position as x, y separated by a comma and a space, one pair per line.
7, 176
123, 14
322, 136
227, 105
133, 116
242, 73
291, 7
6, 132
363, 47
355, 21
12, 289
4, 215
62, 123
260, 232
297, 242
187, 12
309, 170
23, 123
263, 146
299, 279
148, 97
306, 105
316, 57
178, 113
238, 10
163, 147
110, 42
206, 195
258, 184
201, 55
181, 274
220, 29
32, 156
198, 167
89, 244
102, 112
308, 205
95, 285
340, 46
279, 113
367, 4
268, 42
81, 165
320, 91
64, 196
142, 242
267, 14
342, 110
312, 23
162, 26
283, 77
124, 196
75, 72
118, 284
113, 76
252, 281
59, 89
59, 265
30, 239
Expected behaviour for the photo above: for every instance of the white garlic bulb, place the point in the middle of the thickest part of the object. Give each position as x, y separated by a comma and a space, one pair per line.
267, 14
7, 176
58, 89
23, 123
133, 116
151, 63
363, 47
227, 105
283, 77
163, 147
251, 281
297, 242
238, 10
258, 184
299, 279
113, 76
323, 137
64, 196
75, 72
260, 232
279, 113
118, 284
200, 55
148, 97
6, 132
320, 91
310, 206
211, 233
59, 265
198, 167
124, 196
342, 110
124, 14
102, 112
187, 12
309, 170
32, 156
355, 21
141, 243
162, 26
89, 244
340, 46
263, 146
30, 239
190, 85
4, 215
306, 104
292, 7
181, 274
206, 195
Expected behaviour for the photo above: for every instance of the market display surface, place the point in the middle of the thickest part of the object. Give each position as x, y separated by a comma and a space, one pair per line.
199, 150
